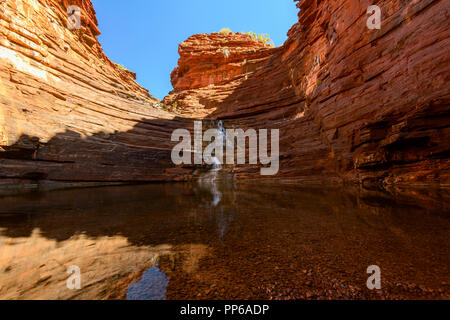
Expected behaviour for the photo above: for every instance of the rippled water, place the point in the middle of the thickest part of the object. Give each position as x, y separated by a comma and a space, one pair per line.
219, 239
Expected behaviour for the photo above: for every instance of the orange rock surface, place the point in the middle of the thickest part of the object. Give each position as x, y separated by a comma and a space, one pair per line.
68, 113
352, 104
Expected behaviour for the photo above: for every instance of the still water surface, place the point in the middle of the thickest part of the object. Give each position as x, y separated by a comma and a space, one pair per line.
218, 239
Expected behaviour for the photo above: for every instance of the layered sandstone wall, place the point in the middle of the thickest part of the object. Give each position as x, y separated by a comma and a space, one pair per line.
211, 67
352, 104
68, 113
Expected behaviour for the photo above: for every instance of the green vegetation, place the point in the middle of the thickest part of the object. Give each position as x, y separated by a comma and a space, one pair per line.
264, 38
225, 31
121, 67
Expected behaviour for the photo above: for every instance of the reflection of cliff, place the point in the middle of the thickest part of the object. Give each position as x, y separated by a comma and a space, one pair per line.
36, 267
255, 243
352, 104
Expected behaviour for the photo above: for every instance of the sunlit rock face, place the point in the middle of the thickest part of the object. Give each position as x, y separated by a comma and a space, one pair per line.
211, 59
68, 113
352, 104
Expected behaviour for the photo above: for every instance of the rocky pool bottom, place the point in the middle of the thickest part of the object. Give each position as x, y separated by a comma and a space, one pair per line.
220, 239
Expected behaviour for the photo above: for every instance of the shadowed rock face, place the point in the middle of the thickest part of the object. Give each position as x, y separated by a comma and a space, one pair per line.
352, 104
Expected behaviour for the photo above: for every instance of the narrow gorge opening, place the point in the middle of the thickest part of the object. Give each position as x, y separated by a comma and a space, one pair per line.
148, 43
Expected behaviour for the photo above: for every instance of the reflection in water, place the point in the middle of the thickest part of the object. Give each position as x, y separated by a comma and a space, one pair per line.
212, 181
209, 181
259, 241
152, 286
222, 211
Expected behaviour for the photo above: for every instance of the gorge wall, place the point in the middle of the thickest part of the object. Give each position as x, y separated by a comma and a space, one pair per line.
352, 104
68, 113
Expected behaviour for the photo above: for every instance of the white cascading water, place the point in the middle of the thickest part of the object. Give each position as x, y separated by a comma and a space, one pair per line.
210, 179
223, 133
217, 165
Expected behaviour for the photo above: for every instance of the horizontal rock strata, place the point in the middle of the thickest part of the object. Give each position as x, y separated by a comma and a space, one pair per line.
68, 113
352, 104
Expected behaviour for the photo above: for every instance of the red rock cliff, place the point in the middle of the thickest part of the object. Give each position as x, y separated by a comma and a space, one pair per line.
67, 113
352, 104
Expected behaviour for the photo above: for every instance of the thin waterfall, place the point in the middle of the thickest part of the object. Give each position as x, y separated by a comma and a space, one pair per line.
209, 180
217, 165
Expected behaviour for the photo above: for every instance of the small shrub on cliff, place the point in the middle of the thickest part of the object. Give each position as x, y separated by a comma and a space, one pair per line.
264, 38
121, 67
225, 31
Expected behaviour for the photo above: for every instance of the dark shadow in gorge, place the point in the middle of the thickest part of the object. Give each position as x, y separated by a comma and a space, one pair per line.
142, 154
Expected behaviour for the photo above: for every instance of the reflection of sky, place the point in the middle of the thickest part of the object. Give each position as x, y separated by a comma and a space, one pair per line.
152, 286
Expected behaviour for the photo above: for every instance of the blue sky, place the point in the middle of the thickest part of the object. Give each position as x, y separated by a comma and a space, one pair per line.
143, 35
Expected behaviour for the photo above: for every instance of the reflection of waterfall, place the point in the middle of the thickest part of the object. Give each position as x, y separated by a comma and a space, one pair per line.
221, 128
217, 166
209, 180
220, 186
